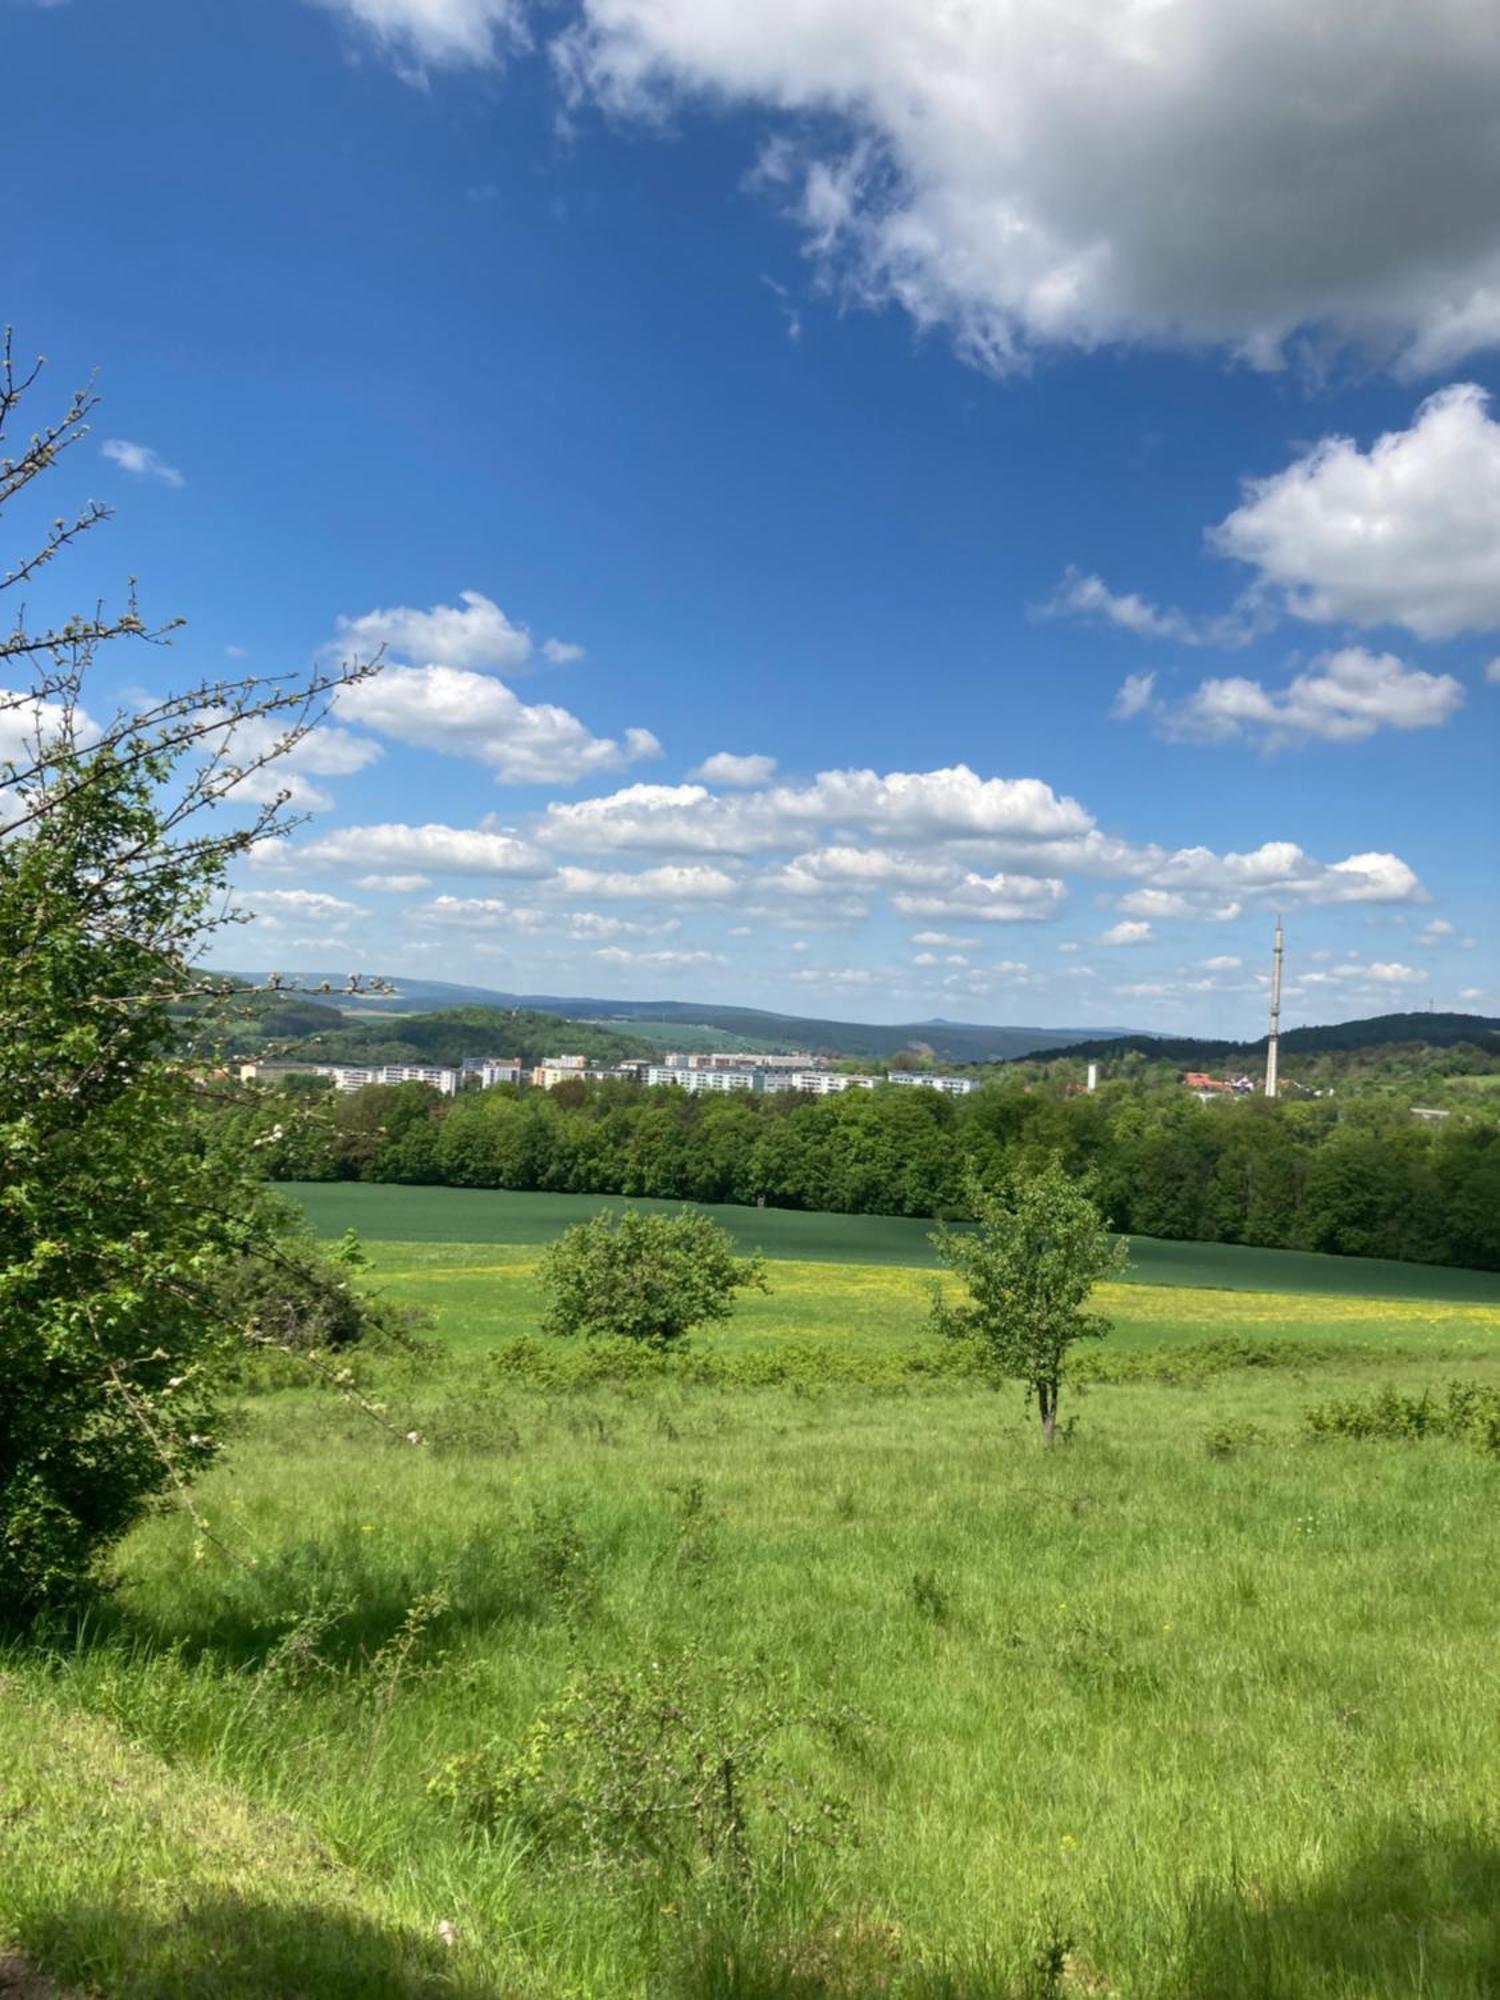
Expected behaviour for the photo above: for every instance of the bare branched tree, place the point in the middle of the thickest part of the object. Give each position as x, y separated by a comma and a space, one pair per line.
120, 1211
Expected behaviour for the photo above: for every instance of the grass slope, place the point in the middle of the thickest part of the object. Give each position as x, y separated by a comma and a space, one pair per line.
1141, 1717
482, 1215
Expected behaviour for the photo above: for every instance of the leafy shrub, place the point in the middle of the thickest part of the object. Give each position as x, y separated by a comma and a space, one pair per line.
1467, 1412
1224, 1440
678, 1768
646, 1278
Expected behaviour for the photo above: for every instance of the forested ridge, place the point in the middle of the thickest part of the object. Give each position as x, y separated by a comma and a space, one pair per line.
1359, 1177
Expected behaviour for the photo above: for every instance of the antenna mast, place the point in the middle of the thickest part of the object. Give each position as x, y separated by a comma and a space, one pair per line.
1273, 1040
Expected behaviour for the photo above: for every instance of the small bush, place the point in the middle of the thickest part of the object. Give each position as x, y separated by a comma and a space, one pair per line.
1466, 1412
645, 1278
679, 1769
1224, 1440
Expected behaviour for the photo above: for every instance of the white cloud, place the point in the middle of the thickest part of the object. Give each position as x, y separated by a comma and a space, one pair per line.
561, 652
1492, 671
619, 955
1137, 696
443, 850
956, 943
1127, 932
833, 975
1437, 932
466, 714
910, 806
1157, 903
1080, 595
275, 909
1471, 994
326, 751
1341, 697
400, 885
1279, 870
1407, 533
1225, 962
996, 899
724, 768
26, 723
140, 460
1029, 175
685, 882
1392, 974
474, 634
440, 32
840, 867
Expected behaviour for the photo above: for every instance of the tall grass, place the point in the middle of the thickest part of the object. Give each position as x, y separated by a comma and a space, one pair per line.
1195, 1705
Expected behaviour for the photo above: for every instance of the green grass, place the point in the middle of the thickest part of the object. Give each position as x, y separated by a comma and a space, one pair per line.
474, 1215
1191, 1708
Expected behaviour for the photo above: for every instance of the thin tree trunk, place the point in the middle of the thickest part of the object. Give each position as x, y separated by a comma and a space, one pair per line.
1046, 1398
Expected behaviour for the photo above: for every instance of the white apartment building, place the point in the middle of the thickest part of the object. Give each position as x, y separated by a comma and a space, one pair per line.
733, 1059
705, 1079
493, 1070
955, 1086
828, 1082
347, 1076
355, 1076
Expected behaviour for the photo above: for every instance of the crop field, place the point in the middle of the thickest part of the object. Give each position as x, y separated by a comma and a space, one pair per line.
471, 1216
808, 1682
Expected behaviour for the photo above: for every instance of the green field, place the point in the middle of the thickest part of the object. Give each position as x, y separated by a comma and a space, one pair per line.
1191, 1708
474, 1215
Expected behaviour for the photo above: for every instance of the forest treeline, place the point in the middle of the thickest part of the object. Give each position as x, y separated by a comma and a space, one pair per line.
1358, 1178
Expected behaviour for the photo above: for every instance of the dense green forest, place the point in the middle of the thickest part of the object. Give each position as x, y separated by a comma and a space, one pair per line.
305, 1029
1357, 1176
1435, 1031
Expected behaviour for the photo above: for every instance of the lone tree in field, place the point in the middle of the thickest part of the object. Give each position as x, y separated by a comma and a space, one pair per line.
1040, 1248
120, 1214
651, 1278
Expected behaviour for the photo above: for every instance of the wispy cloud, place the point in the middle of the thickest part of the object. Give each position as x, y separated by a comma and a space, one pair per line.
141, 461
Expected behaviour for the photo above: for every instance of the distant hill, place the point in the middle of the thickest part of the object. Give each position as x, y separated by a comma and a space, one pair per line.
1380, 1031
948, 1041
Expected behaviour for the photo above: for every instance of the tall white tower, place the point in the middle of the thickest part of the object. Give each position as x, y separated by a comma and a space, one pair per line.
1273, 1039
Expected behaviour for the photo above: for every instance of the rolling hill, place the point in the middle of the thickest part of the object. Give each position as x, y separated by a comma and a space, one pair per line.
949, 1041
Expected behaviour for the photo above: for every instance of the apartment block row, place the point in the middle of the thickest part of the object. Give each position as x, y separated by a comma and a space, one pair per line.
484, 1072
815, 1082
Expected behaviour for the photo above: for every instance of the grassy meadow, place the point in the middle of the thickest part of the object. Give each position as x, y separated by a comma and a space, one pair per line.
1195, 1706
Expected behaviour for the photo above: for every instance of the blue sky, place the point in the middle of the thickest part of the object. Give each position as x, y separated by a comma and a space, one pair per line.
1044, 458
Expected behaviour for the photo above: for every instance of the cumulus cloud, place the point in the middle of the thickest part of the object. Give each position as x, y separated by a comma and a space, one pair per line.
279, 909
1406, 533
1279, 870
434, 848
326, 751
474, 634
1127, 931
994, 899
912, 806
441, 33
465, 714
141, 461
616, 954
399, 885
1031, 176
1157, 903
725, 768
1492, 671
690, 882
1341, 697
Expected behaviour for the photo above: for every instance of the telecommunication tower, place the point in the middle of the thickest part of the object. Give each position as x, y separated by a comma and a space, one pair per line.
1273, 1039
